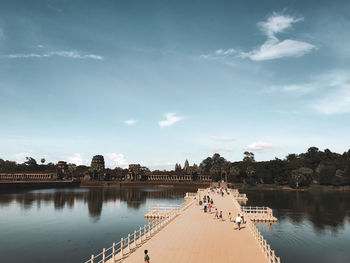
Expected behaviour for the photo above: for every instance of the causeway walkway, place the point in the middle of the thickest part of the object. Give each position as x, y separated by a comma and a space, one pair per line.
196, 237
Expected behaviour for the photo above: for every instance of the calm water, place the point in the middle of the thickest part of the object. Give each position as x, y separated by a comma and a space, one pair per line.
312, 226
67, 225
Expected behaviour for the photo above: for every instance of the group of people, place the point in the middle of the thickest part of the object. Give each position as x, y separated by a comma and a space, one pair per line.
208, 203
218, 190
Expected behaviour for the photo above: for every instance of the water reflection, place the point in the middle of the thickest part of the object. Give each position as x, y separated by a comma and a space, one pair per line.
325, 210
94, 198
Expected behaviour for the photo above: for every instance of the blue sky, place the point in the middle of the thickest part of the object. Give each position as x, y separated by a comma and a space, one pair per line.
156, 82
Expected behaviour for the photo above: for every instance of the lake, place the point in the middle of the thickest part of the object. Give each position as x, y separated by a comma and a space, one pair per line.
311, 227
68, 225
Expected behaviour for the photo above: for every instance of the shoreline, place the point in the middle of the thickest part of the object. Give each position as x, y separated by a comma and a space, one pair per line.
155, 185
274, 187
160, 185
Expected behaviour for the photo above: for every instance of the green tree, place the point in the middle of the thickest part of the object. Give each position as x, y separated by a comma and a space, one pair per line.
248, 157
30, 161
301, 177
233, 174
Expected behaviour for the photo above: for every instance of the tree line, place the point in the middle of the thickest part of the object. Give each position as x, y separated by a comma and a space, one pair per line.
296, 170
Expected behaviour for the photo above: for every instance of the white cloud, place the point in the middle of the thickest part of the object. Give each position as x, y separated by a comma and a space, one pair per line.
277, 23
158, 164
117, 159
66, 54
223, 139
273, 48
220, 54
224, 149
130, 122
171, 119
259, 146
21, 157
76, 159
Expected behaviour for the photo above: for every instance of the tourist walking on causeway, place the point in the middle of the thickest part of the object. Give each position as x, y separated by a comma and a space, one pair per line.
242, 216
230, 216
238, 221
146, 257
216, 213
220, 216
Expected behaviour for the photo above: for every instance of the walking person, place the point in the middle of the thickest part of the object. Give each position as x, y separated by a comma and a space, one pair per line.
230, 216
216, 214
220, 216
242, 216
238, 221
147, 260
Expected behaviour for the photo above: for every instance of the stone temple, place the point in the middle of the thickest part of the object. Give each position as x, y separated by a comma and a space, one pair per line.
97, 168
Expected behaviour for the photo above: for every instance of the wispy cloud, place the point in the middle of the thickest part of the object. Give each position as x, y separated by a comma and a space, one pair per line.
273, 48
335, 87
130, 122
65, 54
116, 159
335, 102
222, 139
258, 146
170, 119
327, 93
223, 149
76, 159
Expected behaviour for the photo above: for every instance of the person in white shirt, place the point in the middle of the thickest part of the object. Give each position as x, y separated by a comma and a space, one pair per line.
242, 216
238, 221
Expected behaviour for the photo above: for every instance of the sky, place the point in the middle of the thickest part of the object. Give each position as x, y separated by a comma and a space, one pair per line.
157, 82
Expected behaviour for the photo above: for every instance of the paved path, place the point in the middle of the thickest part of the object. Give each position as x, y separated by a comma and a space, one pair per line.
195, 236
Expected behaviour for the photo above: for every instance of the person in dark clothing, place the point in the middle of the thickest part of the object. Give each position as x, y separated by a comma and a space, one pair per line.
146, 257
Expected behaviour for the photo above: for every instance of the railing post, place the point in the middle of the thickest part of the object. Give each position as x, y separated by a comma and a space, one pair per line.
145, 231
135, 238
104, 255
113, 252
149, 229
92, 259
129, 243
121, 246
273, 255
140, 235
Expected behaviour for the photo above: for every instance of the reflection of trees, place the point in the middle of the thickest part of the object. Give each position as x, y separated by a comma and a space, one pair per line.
323, 209
94, 198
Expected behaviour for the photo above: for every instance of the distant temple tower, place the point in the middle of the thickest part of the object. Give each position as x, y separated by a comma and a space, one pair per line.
186, 166
97, 167
62, 169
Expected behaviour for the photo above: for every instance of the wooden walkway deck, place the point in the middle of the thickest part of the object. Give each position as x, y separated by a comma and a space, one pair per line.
195, 236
